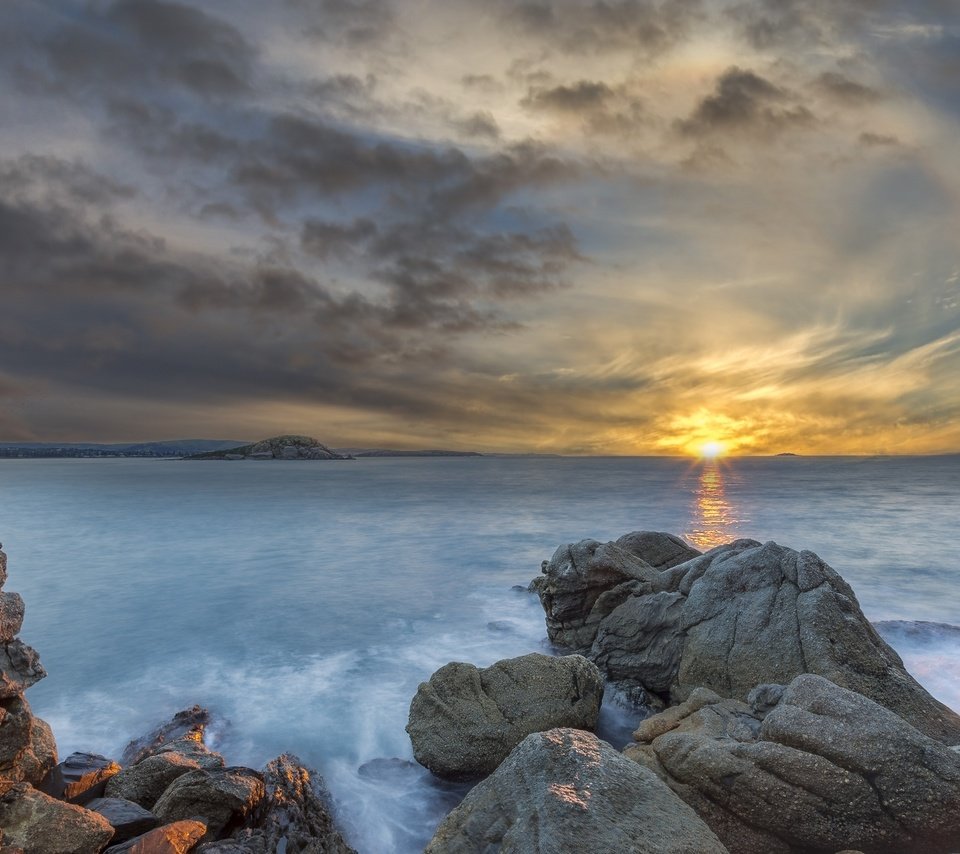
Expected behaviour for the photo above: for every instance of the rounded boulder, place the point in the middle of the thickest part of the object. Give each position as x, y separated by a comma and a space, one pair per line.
464, 720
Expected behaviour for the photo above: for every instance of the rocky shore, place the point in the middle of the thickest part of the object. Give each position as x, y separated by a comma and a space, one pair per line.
168, 794
777, 722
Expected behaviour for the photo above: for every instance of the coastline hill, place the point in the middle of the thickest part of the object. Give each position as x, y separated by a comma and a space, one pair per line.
170, 448
277, 448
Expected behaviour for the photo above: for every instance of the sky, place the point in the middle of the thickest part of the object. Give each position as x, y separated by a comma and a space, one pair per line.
597, 227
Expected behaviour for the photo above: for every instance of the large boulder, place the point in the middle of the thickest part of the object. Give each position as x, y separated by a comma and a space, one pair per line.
809, 768
39, 824
27, 748
146, 781
222, 798
464, 721
565, 790
582, 583
740, 615
294, 816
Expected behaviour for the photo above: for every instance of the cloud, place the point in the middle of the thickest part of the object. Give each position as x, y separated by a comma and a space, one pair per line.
846, 91
743, 102
133, 42
635, 26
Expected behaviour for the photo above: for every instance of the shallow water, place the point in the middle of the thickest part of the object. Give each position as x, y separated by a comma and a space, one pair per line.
304, 602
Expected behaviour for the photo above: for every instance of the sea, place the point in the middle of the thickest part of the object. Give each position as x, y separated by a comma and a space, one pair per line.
303, 602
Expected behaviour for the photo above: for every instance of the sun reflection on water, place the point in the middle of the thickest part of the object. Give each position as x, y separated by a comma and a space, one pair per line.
715, 519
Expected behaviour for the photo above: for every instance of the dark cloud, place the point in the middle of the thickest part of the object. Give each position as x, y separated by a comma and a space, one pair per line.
584, 96
356, 24
599, 107
874, 140
744, 102
479, 124
481, 82
846, 91
640, 27
144, 42
94, 303
333, 239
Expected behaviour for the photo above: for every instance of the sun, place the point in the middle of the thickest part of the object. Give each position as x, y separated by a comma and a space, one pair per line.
711, 450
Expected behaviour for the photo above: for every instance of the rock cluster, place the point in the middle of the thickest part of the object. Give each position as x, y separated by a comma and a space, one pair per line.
27, 748
174, 795
741, 615
805, 768
788, 725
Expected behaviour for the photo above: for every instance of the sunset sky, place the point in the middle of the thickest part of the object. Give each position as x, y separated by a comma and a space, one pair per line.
620, 227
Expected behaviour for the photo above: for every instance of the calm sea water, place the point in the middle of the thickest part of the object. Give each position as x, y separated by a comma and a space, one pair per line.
304, 602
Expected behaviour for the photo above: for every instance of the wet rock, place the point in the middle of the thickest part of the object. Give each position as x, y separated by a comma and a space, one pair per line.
127, 818
565, 790
222, 798
294, 816
81, 777
178, 837
11, 616
826, 769
20, 668
146, 781
3, 566
191, 722
741, 615
191, 746
464, 721
39, 824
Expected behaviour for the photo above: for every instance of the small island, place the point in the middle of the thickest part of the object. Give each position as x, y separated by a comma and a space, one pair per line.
277, 448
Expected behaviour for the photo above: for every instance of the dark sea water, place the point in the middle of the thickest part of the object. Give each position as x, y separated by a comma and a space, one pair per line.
304, 602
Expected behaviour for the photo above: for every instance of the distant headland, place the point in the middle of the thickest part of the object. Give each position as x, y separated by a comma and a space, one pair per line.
277, 448
287, 447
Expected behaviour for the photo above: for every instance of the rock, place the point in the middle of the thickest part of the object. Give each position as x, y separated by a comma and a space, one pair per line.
20, 668
127, 818
566, 791
146, 781
293, 816
463, 721
741, 615
178, 837
826, 769
189, 722
659, 550
191, 746
39, 824
81, 777
41, 754
27, 748
11, 616
221, 797
582, 583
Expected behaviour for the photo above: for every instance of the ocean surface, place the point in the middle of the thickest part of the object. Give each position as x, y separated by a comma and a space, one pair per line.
304, 602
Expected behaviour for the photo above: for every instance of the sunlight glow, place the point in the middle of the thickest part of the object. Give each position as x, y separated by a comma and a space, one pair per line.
711, 450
